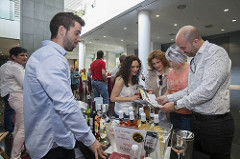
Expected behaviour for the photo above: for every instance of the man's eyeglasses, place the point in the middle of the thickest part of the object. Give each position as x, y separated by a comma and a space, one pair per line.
160, 80
192, 66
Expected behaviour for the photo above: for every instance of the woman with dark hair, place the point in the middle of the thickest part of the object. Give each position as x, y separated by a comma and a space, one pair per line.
15, 78
156, 78
123, 93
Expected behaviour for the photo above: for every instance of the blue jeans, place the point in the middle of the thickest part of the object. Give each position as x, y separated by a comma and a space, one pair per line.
180, 121
8, 115
100, 88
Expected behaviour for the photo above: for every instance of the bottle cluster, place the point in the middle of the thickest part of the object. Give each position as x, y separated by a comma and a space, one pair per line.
139, 121
98, 120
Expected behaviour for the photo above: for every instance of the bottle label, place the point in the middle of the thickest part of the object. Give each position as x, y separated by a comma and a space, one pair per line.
150, 141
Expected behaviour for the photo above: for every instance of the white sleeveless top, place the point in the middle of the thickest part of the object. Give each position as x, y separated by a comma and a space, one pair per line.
125, 92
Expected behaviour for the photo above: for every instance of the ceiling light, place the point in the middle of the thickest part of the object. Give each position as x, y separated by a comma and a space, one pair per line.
234, 20
226, 10
172, 39
174, 24
157, 15
90, 42
122, 40
104, 36
158, 37
222, 30
125, 28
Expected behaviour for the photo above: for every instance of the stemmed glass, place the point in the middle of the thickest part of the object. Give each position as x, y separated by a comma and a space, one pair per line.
178, 143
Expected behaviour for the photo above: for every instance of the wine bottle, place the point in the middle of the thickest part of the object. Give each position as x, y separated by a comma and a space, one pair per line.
97, 122
121, 119
103, 126
88, 111
132, 122
139, 115
150, 143
92, 117
143, 125
151, 121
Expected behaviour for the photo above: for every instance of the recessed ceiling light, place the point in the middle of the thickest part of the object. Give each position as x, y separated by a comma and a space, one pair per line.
122, 40
226, 10
125, 28
174, 24
157, 15
90, 42
234, 20
172, 39
104, 36
222, 29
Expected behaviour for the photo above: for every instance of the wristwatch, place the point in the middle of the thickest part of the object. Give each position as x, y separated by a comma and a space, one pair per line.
175, 105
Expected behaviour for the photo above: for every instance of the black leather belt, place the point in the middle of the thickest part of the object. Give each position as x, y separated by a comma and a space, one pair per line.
98, 80
209, 117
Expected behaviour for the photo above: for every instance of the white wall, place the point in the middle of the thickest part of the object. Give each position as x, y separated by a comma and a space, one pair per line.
9, 29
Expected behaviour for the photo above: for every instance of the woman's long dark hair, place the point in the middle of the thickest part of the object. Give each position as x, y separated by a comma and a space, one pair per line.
125, 70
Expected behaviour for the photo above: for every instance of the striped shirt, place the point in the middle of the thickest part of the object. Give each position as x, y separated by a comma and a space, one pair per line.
208, 82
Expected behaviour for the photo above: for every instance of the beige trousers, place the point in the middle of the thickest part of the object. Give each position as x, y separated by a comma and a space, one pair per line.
16, 102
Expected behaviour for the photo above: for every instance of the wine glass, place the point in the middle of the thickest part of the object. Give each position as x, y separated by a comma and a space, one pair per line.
178, 143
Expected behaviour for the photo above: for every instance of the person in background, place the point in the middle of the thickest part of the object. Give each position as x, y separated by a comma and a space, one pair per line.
8, 111
117, 67
156, 78
84, 77
15, 77
89, 81
53, 120
75, 83
178, 80
207, 94
125, 87
99, 78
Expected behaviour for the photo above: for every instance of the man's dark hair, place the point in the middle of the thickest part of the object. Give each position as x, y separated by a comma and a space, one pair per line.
65, 19
122, 58
16, 50
100, 54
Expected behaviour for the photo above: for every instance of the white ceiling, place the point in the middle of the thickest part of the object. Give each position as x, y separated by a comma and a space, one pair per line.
199, 13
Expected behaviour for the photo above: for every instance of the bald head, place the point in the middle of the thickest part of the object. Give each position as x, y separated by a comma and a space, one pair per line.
188, 33
189, 40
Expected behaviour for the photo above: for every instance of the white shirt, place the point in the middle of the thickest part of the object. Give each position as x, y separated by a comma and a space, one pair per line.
125, 92
115, 71
14, 75
3, 80
208, 83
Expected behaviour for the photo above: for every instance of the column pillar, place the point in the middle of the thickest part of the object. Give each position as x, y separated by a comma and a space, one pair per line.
81, 54
144, 38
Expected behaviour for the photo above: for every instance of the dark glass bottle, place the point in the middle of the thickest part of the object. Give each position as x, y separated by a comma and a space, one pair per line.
88, 111
150, 143
92, 117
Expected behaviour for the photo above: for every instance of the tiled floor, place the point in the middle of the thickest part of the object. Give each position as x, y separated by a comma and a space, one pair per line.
235, 109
